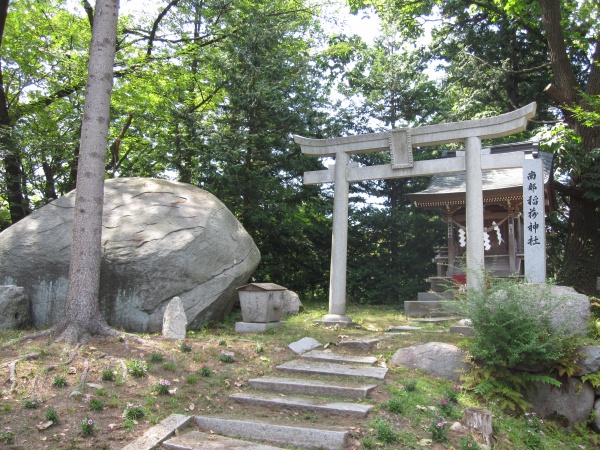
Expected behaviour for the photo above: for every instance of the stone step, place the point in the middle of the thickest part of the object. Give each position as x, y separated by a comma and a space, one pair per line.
159, 432
311, 387
320, 355
422, 308
305, 404
297, 437
434, 296
197, 440
435, 319
325, 368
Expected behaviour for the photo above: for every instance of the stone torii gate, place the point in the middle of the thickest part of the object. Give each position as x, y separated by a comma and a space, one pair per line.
400, 142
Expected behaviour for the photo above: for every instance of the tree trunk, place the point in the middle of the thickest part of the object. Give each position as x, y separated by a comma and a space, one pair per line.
12, 164
582, 247
82, 315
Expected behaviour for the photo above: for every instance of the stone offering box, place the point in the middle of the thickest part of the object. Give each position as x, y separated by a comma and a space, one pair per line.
261, 302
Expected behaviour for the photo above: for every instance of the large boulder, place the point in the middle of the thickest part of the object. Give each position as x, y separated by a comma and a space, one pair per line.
14, 308
566, 309
161, 239
572, 402
436, 358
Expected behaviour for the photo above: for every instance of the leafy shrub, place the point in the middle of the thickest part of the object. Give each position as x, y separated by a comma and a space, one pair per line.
7, 435
96, 404
32, 403
87, 426
226, 357
395, 405
137, 367
385, 431
51, 414
410, 385
162, 387
108, 374
133, 412
438, 430
191, 378
59, 381
184, 346
205, 371
156, 357
467, 443
511, 326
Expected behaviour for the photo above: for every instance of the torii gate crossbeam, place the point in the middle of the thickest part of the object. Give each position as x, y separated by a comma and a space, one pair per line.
400, 143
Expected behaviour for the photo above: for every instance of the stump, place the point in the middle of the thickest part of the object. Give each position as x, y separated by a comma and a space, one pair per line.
479, 421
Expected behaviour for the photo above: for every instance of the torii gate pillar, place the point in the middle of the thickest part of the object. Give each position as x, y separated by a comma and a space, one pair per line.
400, 142
339, 245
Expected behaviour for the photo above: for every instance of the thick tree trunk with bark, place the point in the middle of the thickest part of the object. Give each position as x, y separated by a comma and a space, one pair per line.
582, 248
82, 315
17, 203
580, 267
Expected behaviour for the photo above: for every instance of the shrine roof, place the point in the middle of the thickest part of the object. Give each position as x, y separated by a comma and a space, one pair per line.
494, 182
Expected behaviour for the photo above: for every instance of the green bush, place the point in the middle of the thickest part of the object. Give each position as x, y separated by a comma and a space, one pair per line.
59, 381
511, 326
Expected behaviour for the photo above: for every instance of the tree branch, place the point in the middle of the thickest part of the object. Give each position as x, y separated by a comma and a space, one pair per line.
155, 25
570, 191
89, 11
593, 86
114, 147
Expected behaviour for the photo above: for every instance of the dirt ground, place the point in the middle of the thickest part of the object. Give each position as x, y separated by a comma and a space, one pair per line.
30, 370
190, 392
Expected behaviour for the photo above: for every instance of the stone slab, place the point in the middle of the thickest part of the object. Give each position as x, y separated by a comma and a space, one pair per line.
334, 323
325, 368
174, 320
436, 358
159, 433
435, 296
425, 308
435, 319
359, 344
251, 327
311, 387
404, 328
305, 404
311, 438
197, 440
458, 329
304, 345
320, 355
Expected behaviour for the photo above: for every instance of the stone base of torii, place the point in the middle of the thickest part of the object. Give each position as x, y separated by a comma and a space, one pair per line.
400, 143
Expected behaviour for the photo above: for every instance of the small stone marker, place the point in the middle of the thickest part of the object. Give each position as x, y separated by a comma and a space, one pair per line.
304, 345
174, 320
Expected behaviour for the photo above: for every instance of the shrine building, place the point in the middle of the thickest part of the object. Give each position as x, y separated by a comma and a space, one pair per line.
503, 213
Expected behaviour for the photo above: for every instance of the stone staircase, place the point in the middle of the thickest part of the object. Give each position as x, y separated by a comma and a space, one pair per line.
318, 381
428, 304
